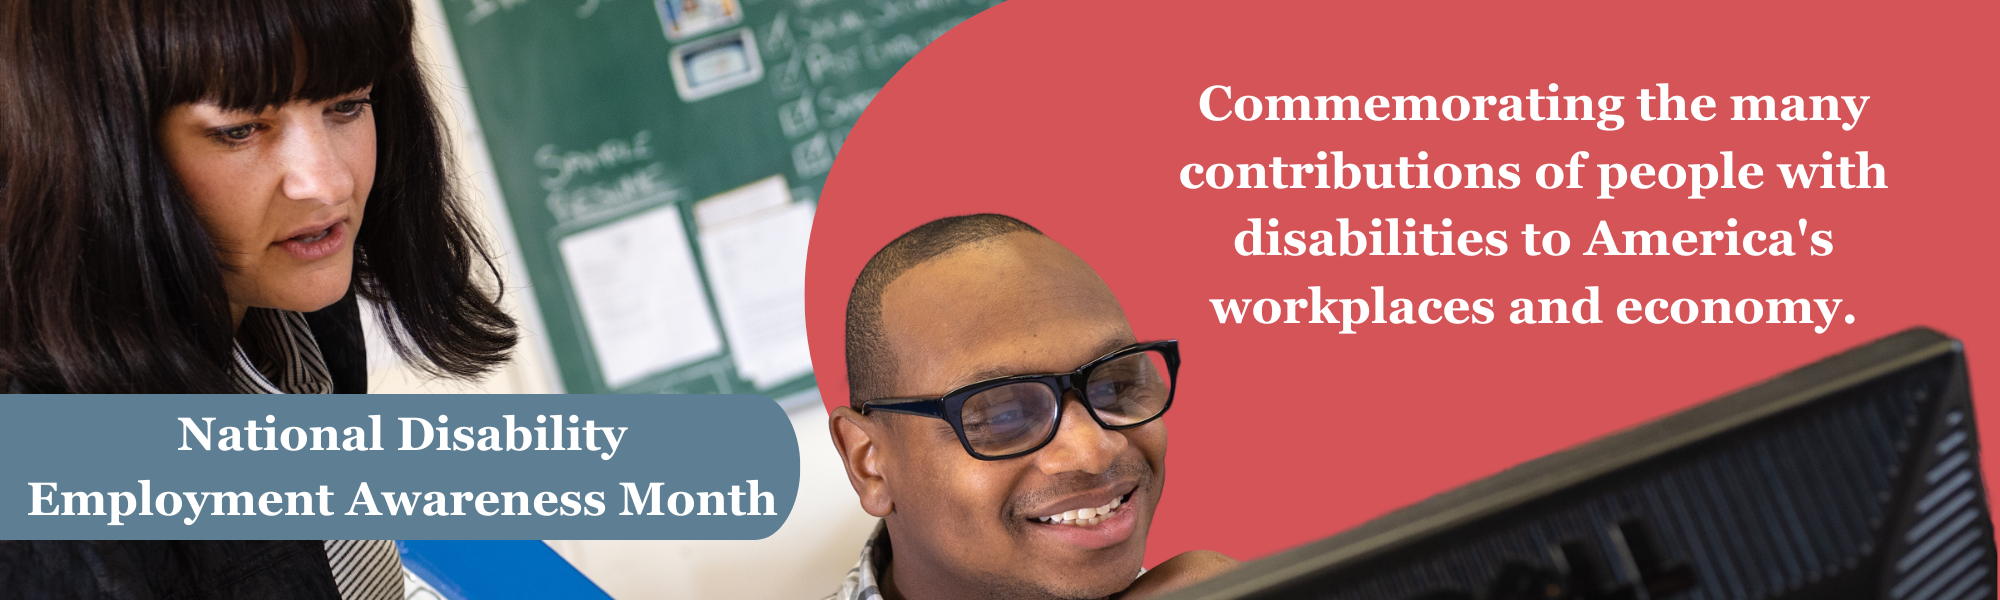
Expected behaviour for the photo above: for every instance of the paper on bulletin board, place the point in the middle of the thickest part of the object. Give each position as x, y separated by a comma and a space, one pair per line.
640, 295
753, 244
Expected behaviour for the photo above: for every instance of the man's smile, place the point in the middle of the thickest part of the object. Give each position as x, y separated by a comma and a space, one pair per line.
1083, 516
1095, 519
1096, 533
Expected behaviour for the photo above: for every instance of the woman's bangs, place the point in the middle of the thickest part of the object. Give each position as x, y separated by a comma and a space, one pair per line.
256, 54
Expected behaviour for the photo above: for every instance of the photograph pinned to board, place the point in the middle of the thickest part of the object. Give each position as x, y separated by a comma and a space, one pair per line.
640, 295
683, 19
715, 65
753, 245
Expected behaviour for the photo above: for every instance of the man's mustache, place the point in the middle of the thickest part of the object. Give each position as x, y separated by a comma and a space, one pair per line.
1125, 469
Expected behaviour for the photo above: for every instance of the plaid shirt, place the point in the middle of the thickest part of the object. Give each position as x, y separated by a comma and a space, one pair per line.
860, 581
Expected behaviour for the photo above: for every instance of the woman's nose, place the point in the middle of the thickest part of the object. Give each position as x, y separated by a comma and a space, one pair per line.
316, 168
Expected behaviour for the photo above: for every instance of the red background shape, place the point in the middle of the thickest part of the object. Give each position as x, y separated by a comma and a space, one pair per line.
1078, 116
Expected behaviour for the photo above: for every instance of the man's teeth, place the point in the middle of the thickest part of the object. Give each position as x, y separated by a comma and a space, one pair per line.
313, 237
1083, 516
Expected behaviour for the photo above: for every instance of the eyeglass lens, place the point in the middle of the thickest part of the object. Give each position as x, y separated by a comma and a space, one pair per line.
1015, 418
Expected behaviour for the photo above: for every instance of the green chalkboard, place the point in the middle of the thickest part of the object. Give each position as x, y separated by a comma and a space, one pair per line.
657, 161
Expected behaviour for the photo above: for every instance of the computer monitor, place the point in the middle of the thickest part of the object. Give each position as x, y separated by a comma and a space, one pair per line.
1854, 477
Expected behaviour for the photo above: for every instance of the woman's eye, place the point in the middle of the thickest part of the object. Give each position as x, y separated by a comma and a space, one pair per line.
235, 133
351, 107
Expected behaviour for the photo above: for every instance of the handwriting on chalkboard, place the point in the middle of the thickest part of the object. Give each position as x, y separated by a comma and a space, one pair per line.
831, 26
646, 184
843, 108
780, 39
813, 156
890, 12
816, 57
818, 63
610, 154
485, 8
822, 61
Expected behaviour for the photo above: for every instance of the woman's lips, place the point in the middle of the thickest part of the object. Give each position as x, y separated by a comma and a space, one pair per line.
315, 245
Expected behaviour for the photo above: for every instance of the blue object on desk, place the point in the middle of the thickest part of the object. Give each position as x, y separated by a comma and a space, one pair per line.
496, 570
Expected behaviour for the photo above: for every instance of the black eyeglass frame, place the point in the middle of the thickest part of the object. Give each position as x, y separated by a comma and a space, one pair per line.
950, 406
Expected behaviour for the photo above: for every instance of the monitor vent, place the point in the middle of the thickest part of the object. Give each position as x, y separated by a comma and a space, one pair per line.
1759, 513
1945, 556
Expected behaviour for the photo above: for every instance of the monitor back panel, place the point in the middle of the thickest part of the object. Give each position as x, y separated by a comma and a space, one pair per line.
1856, 477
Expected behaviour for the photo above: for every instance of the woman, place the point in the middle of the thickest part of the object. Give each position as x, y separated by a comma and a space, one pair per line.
192, 194
185, 181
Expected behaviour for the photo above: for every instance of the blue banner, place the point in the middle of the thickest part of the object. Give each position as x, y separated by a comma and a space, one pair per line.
411, 467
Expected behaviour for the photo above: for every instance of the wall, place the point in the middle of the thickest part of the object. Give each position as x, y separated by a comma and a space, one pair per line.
804, 560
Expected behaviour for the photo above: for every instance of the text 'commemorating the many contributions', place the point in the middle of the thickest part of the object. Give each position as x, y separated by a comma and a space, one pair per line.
1320, 166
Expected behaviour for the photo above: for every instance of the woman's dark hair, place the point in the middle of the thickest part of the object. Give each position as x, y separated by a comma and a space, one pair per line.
108, 281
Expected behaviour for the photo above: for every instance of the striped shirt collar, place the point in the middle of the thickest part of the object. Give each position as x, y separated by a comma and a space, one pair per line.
293, 364
362, 569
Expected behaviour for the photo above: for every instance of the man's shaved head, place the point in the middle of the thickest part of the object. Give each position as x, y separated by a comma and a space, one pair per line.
870, 360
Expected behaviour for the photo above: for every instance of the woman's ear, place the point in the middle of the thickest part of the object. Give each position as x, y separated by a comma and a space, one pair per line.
857, 438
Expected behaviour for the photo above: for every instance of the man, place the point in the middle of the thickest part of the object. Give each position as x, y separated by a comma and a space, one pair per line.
1004, 423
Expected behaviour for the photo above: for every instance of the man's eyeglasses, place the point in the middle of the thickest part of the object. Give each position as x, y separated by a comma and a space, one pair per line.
1012, 416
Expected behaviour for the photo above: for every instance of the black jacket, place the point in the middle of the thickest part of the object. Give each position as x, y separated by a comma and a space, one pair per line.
337, 329
196, 570
166, 570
